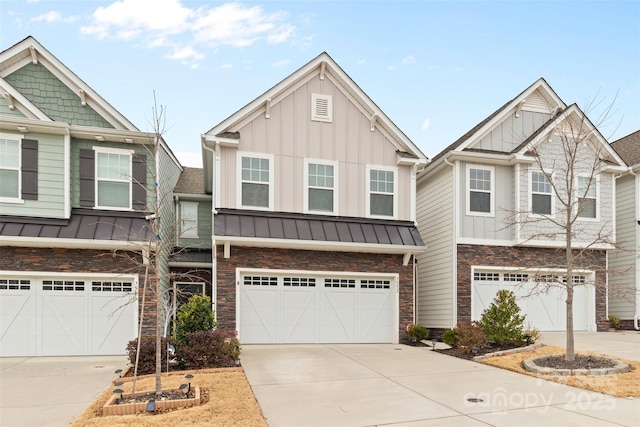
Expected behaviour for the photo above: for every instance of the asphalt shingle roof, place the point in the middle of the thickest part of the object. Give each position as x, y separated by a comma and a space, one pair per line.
628, 148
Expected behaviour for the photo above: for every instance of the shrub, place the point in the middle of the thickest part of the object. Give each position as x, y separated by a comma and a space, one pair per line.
614, 321
450, 337
470, 335
147, 360
417, 333
194, 315
531, 335
209, 349
501, 321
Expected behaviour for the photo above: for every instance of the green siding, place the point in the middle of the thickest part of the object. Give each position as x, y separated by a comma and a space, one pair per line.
52, 97
204, 227
77, 144
51, 196
6, 111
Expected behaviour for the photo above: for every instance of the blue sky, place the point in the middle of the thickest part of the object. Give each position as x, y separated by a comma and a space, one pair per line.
435, 68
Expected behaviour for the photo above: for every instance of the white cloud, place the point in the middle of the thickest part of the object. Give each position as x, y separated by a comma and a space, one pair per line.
407, 60
425, 124
236, 25
125, 18
169, 23
226, 66
53, 17
281, 63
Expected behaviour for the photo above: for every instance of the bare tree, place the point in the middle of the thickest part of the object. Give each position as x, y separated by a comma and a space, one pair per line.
569, 157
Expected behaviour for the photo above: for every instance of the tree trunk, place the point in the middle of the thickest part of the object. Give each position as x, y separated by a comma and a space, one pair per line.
158, 339
570, 351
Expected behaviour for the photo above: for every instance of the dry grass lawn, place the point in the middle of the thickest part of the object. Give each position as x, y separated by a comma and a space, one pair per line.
619, 385
227, 395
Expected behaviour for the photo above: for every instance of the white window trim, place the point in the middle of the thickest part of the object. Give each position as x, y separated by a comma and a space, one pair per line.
530, 195
318, 118
192, 232
109, 150
597, 184
270, 157
368, 170
492, 192
305, 195
19, 138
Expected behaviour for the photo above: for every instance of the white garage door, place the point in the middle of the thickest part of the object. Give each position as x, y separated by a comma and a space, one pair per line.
546, 311
66, 316
289, 308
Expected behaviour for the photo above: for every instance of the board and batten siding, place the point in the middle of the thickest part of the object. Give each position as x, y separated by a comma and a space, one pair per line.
51, 166
587, 230
512, 131
488, 227
291, 136
435, 300
623, 264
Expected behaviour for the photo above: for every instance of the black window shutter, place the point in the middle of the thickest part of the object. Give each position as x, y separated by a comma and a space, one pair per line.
87, 178
139, 171
29, 169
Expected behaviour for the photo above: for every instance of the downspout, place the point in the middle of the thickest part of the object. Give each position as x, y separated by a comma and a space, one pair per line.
214, 249
637, 308
454, 288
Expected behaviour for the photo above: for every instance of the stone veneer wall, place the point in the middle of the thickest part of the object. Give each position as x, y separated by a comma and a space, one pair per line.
504, 256
87, 261
289, 259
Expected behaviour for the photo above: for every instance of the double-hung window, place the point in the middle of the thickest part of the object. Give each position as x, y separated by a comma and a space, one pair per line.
113, 178
189, 220
256, 181
587, 197
480, 190
382, 191
540, 194
9, 168
321, 180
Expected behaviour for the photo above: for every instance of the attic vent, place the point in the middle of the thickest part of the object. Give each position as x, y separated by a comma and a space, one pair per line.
538, 103
321, 108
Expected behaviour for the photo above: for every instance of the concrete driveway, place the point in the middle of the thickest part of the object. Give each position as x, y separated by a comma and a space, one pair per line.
52, 391
397, 385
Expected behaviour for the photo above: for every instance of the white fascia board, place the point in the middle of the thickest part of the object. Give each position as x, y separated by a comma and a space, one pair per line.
489, 158
25, 106
39, 242
113, 135
222, 141
531, 243
317, 246
11, 123
189, 197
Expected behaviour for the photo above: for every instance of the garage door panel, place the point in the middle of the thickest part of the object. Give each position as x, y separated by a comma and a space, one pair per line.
375, 316
17, 324
338, 316
300, 315
64, 324
112, 324
260, 315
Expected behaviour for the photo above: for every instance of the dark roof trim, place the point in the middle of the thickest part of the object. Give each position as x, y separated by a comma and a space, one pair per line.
302, 229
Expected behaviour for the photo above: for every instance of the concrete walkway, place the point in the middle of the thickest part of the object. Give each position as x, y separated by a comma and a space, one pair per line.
397, 385
52, 391
625, 344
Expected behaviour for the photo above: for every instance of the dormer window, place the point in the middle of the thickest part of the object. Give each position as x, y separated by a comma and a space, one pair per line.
321, 107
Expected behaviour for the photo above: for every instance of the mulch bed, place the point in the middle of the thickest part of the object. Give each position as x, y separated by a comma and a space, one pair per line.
581, 361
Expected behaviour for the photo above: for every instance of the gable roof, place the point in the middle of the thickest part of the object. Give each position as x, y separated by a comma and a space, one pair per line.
29, 50
584, 126
498, 116
324, 66
559, 113
628, 148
